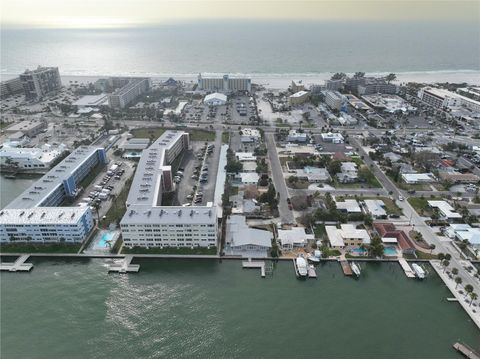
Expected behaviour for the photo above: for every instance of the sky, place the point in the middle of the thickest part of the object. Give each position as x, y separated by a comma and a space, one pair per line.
124, 13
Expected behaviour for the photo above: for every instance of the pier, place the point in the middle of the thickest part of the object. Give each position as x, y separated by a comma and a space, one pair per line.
311, 272
466, 351
255, 264
347, 270
406, 268
124, 266
18, 266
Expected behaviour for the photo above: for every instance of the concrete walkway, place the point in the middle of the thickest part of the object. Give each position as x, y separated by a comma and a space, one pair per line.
464, 301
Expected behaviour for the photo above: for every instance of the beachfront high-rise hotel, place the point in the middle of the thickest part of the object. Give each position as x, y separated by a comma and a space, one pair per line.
40, 82
224, 84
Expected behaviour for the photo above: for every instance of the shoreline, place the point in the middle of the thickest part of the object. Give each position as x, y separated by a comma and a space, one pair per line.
282, 81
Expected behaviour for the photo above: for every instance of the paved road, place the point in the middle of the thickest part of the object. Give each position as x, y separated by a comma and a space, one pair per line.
419, 223
286, 215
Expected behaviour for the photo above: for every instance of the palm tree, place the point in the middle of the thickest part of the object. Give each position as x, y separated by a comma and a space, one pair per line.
390, 77
445, 264
468, 289
473, 296
432, 247
458, 281
441, 256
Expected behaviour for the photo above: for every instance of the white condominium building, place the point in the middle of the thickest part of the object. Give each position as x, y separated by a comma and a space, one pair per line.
36, 215
441, 98
334, 99
146, 222
128, 93
40, 82
45, 224
224, 84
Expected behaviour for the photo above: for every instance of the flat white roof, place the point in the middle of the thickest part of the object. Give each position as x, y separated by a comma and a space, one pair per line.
299, 94
334, 236
43, 215
294, 235
349, 205
240, 234
375, 207
91, 100
444, 207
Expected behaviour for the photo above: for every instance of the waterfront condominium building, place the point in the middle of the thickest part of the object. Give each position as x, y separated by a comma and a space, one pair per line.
146, 222
224, 84
129, 92
11, 87
37, 212
40, 82
45, 224
440, 98
334, 100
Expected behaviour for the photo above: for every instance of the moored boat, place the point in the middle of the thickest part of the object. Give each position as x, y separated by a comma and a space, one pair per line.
419, 272
301, 265
355, 269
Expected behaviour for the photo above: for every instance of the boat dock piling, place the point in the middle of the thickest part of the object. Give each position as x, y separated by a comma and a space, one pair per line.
255, 264
466, 351
124, 266
406, 268
347, 270
18, 266
311, 272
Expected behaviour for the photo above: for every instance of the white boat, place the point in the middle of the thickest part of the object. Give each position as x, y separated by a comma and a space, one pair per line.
419, 272
355, 269
301, 265
313, 259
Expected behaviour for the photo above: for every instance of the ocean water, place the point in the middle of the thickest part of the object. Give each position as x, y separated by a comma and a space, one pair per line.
256, 48
206, 309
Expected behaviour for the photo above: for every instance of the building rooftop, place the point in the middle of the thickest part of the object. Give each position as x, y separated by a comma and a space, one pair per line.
349, 205
240, 234
42, 215
375, 207
170, 215
444, 207
24, 126
299, 94
39, 190
146, 185
294, 236
92, 100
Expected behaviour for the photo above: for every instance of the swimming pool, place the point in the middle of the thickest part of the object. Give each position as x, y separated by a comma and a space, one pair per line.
390, 251
105, 237
359, 251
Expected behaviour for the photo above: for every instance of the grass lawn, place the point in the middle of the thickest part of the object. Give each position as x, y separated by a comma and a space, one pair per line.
225, 137
421, 204
319, 231
118, 208
39, 248
172, 250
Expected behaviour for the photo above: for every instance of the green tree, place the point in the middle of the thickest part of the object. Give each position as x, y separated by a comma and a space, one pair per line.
468, 289
334, 167
473, 296
339, 76
441, 256
445, 264
376, 247
458, 281
390, 77
448, 256
359, 75
454, 271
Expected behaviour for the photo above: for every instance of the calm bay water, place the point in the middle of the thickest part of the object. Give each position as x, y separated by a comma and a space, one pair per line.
206, 309
246, 47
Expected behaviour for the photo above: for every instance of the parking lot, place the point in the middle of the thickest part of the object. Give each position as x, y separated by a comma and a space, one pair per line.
199, 171
106, 186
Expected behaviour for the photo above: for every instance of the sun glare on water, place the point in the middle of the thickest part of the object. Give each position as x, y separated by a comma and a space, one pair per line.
89, 22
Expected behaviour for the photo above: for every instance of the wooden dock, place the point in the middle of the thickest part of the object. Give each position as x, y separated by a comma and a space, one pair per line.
347, 270
18, 266
406, 268
466, 351
254, 265
311, 272
124, 266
